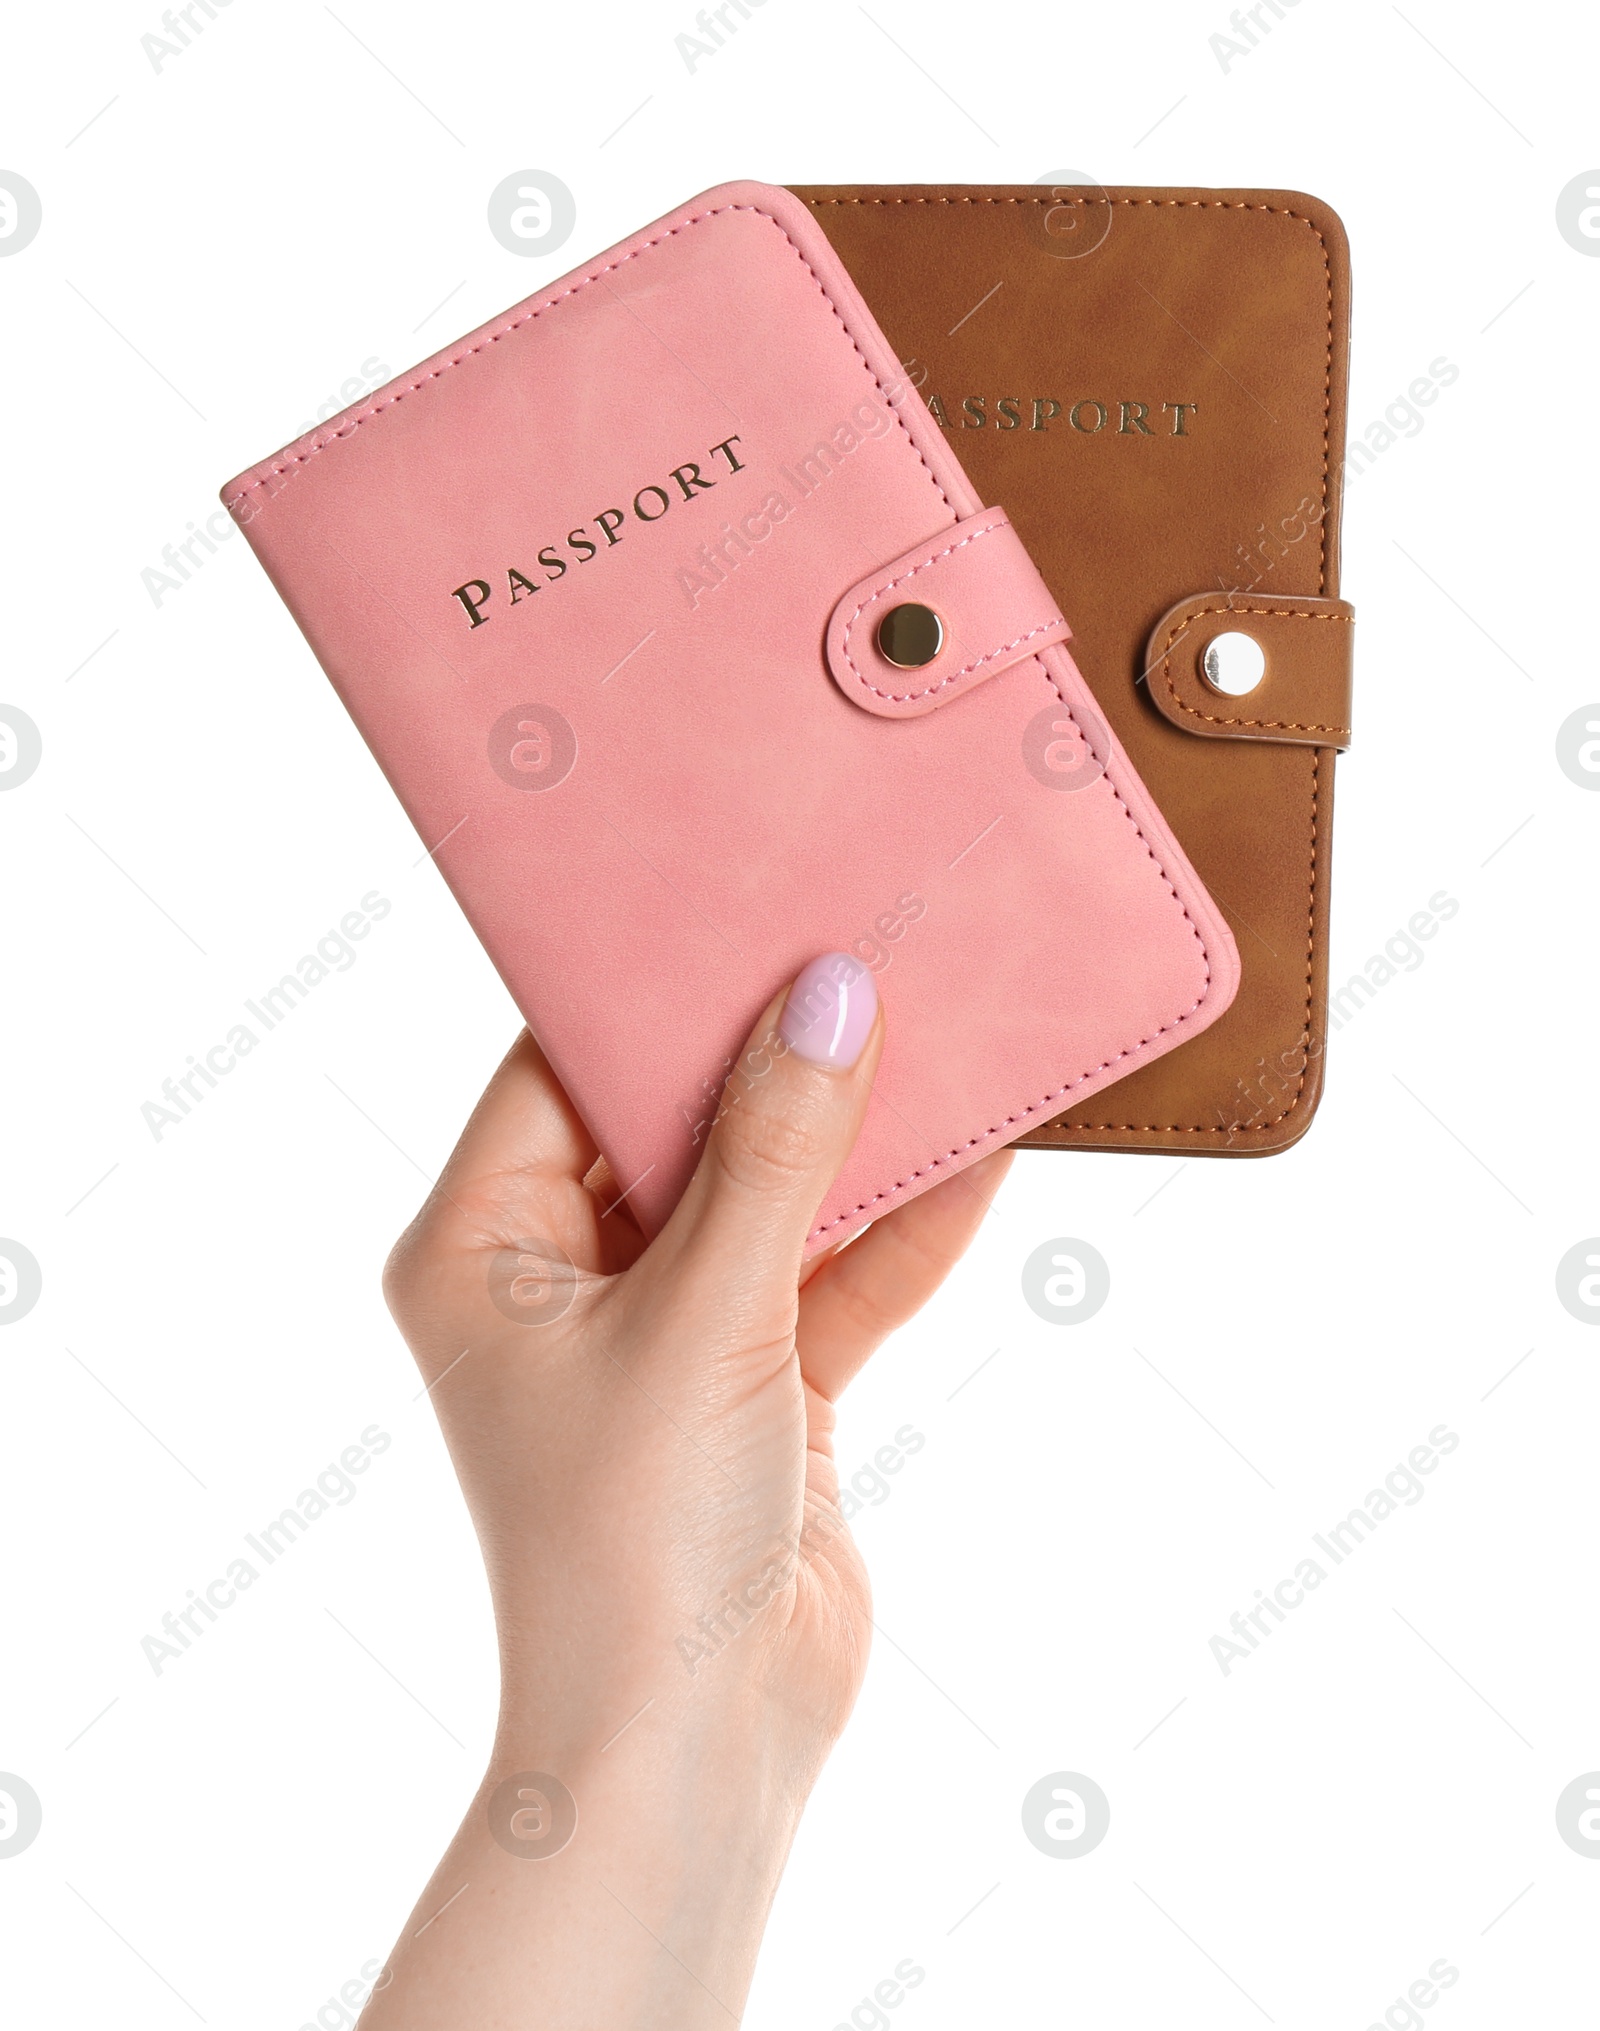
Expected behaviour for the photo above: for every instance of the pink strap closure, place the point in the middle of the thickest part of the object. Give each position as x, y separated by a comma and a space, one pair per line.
994, 608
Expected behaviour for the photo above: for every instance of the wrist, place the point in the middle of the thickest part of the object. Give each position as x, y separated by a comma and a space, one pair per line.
644, 1863
683, 1770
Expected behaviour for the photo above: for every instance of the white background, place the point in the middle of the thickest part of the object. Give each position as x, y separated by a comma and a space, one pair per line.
1296, 1842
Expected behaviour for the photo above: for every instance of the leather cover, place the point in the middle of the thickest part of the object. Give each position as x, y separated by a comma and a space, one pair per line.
574, 579
1153, 383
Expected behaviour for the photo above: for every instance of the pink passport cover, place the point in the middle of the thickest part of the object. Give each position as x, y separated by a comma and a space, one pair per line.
670, 768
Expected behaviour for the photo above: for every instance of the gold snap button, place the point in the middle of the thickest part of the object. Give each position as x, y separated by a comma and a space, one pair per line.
910, 635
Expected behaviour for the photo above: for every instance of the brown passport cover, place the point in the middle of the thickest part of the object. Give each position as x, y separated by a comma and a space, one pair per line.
1152, 383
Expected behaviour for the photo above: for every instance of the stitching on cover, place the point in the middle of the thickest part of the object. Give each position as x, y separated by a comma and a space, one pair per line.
1302, 1042
527, 318
928, 690
1130, 1051
1038, 1106
1219, 204
1278, 211
1218, 719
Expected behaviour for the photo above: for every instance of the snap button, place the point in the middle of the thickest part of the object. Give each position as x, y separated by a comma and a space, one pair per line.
910, 636
1233, 663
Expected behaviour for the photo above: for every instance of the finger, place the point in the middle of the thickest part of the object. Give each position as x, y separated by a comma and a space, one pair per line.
790, 1112
524, 1123
851, 1306
518, 1167
813, 1264
622, 1239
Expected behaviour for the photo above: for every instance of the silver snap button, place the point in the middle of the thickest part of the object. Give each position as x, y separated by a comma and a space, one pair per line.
1233, 663
910, 635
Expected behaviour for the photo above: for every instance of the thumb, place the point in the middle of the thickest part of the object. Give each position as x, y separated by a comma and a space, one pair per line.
790, 1112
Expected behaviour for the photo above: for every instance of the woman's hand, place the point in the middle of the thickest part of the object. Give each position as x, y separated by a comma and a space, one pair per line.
644, 1438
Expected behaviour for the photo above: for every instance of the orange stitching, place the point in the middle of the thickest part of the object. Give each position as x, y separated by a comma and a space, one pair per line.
527, 318
1080, 1128
1181, 204
1280, 211
1217, 719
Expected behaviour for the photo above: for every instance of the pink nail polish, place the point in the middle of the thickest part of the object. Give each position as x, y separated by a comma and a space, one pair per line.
830, 1011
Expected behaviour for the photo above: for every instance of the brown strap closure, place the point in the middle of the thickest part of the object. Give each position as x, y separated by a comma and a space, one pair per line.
1303, 696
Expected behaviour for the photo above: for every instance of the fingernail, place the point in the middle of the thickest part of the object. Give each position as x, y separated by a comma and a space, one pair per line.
830, 1011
